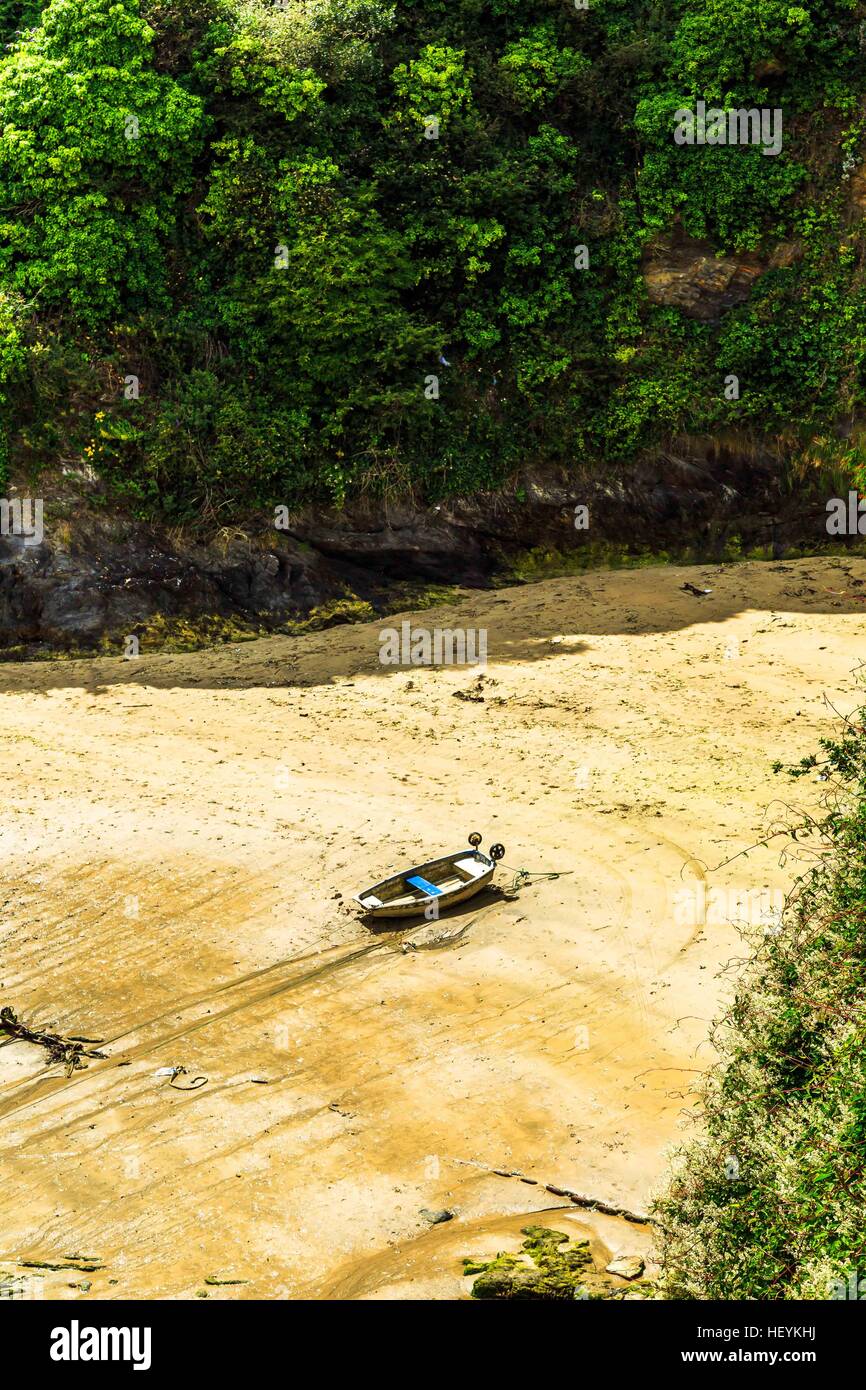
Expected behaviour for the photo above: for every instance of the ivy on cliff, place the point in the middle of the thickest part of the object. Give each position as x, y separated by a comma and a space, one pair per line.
286, 220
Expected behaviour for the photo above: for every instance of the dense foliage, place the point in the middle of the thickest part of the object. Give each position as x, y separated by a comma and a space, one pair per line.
284, 218
771, 1203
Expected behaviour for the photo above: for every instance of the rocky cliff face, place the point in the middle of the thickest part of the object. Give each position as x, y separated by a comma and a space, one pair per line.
683, 273
100, 577
96, 577
698, 495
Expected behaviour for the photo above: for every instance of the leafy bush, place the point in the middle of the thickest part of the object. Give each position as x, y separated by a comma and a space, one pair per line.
771, 1202
96, 153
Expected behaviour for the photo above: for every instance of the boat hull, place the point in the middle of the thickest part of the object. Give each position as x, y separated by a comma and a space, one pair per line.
457, 877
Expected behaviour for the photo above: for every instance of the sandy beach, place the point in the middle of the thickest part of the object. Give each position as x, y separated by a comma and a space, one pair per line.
181, 840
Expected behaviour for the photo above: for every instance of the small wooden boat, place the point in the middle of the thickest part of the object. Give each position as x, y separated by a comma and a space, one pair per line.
450, 879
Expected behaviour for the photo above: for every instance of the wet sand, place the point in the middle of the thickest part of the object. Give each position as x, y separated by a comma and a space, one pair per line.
181, 838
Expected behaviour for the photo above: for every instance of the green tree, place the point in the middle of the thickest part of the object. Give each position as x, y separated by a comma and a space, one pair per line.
96, 154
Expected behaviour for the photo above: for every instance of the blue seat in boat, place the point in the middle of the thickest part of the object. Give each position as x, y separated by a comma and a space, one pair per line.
429, 888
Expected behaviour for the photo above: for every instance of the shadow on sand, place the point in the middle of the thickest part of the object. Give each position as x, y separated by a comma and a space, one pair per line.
535, 622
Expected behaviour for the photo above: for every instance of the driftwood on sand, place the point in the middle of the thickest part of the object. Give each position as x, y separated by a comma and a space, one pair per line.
67, 1051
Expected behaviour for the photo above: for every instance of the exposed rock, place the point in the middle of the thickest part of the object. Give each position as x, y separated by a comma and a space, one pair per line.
432, 543
98, 577
626, 1266
857, 186
786, 254
768, 69
549, 1266
102, 577
436, 1218
684, 273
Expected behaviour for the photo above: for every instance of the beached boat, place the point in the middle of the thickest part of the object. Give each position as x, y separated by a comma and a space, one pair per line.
447, 880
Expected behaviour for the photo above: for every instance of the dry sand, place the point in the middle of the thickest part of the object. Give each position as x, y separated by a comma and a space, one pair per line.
181, 836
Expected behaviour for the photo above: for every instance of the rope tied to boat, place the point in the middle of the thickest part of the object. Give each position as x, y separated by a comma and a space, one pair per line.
523, 877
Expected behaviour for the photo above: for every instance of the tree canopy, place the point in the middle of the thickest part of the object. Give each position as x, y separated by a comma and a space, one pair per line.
337, 241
